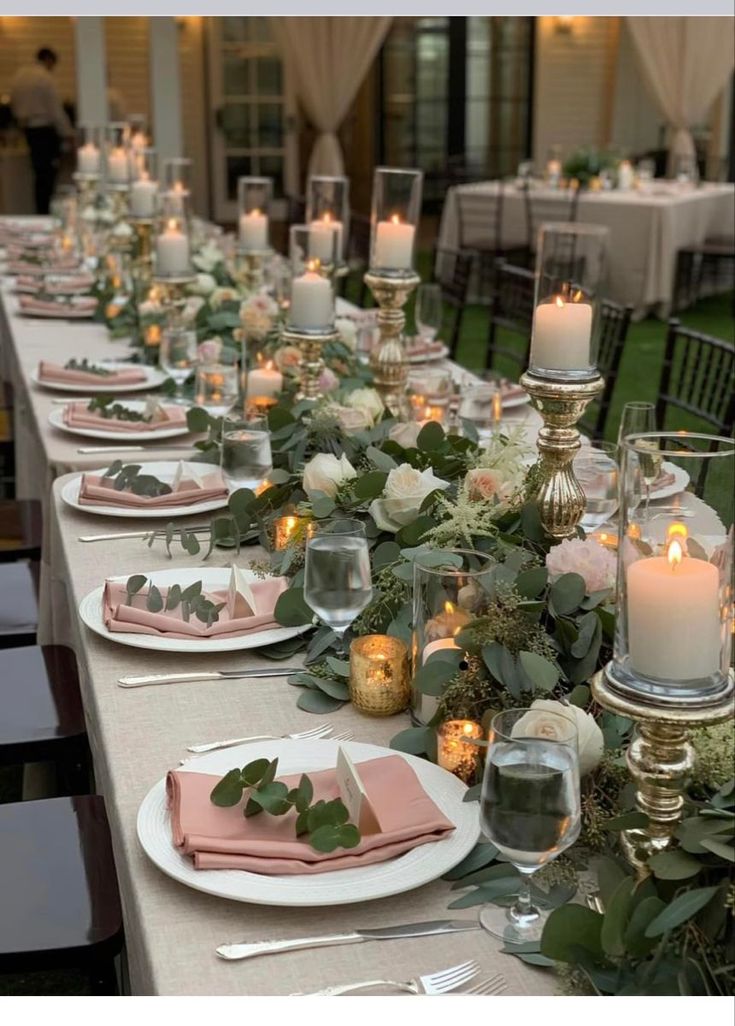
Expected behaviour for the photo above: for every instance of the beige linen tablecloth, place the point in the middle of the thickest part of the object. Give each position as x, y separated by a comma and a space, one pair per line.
646, 230
136, 735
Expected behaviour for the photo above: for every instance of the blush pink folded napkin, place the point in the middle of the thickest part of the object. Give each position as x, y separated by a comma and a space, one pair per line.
48, 371
77, 415
664, 480
68, 285
81, 306
96, 490
62, 265
134, 618
223, 839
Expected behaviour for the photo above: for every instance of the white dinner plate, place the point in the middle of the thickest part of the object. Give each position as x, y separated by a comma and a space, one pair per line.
213, 579
164, 471
678, 485
419, 866
56, 419
153, 378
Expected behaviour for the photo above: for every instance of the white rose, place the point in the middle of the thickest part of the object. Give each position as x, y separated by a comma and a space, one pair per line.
405, 489
325, 473
204, 284
367, 400
349, 420
406, 434
538, 723
347, 332
208, 257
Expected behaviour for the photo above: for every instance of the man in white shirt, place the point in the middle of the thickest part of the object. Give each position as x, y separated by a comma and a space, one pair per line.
37, 108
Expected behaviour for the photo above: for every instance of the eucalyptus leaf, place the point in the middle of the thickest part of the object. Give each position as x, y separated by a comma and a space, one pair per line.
530, 583
430, 436
637, 944
566, 593
318, 702
682, 908
134, 584
154, 600
480, 856
291, 610
568, 928
674, 865
227, 791
543, 674
413, 740
617, 913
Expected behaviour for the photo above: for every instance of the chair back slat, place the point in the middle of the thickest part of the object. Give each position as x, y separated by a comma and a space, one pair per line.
696, 379
480, 218
511, 308
615, 322
454, 290
541, 209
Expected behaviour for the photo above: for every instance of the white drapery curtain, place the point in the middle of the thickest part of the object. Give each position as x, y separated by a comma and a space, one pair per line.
686, 63
329, 58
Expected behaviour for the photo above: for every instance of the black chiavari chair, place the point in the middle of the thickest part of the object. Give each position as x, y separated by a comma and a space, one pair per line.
454, 291
481, 233
543, 208
358, 257
615, 322
696, 382
511, 308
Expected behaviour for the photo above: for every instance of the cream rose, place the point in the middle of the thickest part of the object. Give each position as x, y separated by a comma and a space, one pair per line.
325, 473
367, 400
347, 330
406, 434
349, 420
203, 285
222, 295
287, 359
208, 257
538, 723
405, 489
484, 484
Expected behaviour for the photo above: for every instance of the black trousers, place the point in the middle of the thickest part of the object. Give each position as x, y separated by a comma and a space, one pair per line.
45, 147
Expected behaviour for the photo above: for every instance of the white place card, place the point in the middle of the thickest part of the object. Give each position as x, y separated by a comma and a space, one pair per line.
240, 598
189, 475
353, 793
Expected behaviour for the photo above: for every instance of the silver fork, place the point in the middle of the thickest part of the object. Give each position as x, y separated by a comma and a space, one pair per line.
323, 730
441, 982
492, 985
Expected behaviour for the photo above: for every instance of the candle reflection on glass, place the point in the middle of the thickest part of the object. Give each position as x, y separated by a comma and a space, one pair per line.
286, 530
457, 750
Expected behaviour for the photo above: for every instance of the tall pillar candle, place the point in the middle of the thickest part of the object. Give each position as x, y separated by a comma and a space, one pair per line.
321, 239
673, 613
562, 332
254, 231
143, 197
312, 304
88, 159
172, 251
118, 170
393, 248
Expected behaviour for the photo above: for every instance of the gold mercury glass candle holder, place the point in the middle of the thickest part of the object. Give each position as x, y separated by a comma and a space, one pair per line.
288, 530
379, 679
458, 749
672, 655
562, 378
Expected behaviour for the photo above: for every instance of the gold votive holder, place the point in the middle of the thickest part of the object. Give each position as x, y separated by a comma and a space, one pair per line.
458, 750
260, 403
379, 680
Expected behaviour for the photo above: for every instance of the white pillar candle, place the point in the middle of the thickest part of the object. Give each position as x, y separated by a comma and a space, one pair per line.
254, 231
143, 197
428, 704
138, 141
88, 159
561, 335
172, 251
118, 169
553, 172
264, 382
626, 176
312, 304
673, 616
321, 239
394, 245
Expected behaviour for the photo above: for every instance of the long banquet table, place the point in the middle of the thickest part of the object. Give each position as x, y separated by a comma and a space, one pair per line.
137, 735
646, 230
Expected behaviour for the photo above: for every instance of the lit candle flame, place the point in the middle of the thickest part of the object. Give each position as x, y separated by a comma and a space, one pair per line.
448, 607
263, 487
178, 187
674, 553
577, 296
327, 218
395, 219
255, 212
468, 729
677, 530
314, 265
559, 301
171, 224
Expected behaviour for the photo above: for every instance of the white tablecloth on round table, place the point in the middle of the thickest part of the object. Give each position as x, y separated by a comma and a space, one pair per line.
646, 230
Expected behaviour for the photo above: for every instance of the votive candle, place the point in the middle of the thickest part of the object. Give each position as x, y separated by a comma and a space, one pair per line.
457, 749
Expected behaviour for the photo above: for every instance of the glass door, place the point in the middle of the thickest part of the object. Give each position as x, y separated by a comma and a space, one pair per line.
253, 112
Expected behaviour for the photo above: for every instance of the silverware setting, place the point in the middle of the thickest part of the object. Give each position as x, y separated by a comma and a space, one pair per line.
90, 449
492, 985
237, 952
137, 681
441, 982
317, 734
324, 730
157, 532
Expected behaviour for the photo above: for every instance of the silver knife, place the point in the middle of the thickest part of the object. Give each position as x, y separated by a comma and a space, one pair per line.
234, 952
87, 450
136, 534
132, 681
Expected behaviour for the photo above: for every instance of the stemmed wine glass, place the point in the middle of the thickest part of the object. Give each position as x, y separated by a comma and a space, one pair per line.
337, 581
428, 314
177, 356
639, 418
530, 806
